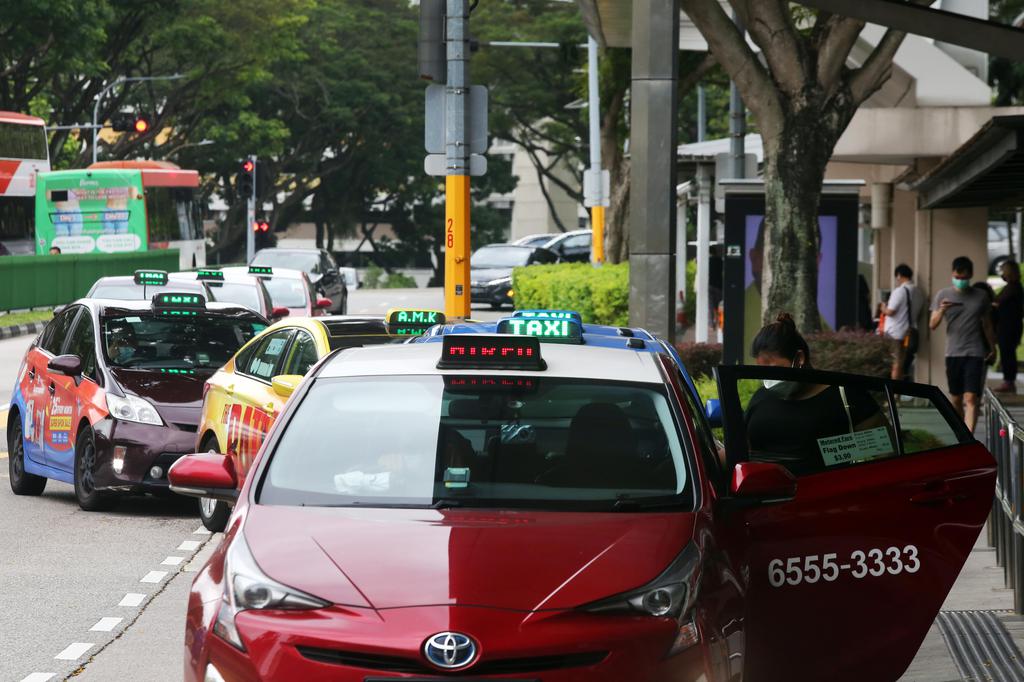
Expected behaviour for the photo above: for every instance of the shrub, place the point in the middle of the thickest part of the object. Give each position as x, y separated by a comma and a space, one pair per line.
852, 352
600, 295
700, 358
377, 278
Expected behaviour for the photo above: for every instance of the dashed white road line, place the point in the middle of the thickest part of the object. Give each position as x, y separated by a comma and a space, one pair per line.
131, 599
172, 561
189, 546
74, 651
105, 624
39, 677
153, 577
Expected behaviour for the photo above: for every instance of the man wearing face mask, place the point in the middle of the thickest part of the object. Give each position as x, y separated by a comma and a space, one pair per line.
786, 419
120, 345
968, 329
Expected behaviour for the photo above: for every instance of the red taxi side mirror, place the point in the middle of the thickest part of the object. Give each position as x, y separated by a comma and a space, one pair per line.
68, 365
323, 303
763, 481
205, 474
279, 311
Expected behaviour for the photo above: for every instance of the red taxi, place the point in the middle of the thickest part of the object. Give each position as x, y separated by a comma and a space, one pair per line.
289, 289
489, 508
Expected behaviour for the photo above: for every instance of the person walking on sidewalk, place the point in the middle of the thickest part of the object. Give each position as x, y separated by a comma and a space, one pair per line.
968, 327
901, 314
1009, 306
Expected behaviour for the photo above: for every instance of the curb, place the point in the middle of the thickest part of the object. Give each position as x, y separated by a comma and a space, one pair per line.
21, 329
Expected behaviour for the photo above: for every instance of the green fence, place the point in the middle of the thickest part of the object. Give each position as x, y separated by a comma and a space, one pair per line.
36, 281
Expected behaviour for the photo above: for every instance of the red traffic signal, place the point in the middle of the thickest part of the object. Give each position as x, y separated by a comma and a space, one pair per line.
141, 125
248, 166
260, 226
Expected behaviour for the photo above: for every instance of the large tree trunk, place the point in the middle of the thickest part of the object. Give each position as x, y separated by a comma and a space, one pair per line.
617, 219
794, 170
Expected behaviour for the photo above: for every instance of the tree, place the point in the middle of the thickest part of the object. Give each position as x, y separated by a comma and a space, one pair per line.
803, 97
1005, 75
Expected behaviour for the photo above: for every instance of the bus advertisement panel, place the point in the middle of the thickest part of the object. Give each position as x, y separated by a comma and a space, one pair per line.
23, 154
93, 211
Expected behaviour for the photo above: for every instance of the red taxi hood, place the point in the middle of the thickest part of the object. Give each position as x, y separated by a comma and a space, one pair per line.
178, 398
502, 559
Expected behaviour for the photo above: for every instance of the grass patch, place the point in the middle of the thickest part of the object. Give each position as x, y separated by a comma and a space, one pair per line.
25, 317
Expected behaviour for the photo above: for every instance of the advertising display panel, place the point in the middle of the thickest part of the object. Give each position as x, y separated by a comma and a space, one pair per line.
90, 211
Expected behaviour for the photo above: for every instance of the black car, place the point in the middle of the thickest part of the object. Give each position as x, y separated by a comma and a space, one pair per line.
491, 270
110, 393
318, 264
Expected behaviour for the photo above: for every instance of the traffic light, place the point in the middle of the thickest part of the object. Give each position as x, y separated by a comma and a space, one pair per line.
127, 122
433, 55
246, 179
263, 237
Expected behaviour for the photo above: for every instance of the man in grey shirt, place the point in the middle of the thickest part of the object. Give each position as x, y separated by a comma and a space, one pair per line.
967, 312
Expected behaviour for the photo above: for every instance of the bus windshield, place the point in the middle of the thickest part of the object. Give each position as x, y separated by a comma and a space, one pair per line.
173, 214
21, 141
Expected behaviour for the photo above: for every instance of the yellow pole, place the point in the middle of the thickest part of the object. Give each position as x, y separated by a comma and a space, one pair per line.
456, 242
597, 223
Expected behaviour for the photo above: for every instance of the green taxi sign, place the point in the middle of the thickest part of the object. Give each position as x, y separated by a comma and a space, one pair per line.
549, 315
261, 270
561, 331
170, 304
157, 278
210, 275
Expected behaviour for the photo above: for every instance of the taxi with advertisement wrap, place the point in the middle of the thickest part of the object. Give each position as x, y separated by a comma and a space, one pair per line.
491, 507
108, 395
242, 400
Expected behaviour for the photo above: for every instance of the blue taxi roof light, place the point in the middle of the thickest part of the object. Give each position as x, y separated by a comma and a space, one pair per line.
549, 314
546, 329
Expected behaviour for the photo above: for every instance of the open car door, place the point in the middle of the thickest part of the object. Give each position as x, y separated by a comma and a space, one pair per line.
892, 492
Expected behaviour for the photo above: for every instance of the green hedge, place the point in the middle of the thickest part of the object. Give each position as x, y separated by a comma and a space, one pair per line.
601, 295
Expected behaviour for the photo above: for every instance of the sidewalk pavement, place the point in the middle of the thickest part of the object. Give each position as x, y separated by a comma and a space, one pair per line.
980, 587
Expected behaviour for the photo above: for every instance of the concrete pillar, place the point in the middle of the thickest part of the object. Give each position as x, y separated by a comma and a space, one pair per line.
652, 234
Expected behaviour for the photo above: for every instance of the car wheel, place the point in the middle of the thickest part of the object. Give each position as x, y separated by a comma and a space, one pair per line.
213, 513
89, 498
22, 483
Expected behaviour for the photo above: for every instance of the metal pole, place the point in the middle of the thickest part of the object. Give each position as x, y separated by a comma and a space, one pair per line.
597, 210
250, 217
737, 120
702, 114
105, 90
703, 252
457, 209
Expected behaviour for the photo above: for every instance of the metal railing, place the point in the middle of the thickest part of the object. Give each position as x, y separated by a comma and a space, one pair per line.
1005, 440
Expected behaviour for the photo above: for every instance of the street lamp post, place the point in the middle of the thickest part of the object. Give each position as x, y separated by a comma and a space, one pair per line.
107, 88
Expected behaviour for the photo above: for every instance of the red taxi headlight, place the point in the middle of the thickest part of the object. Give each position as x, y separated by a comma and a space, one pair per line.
671, 595
247, 587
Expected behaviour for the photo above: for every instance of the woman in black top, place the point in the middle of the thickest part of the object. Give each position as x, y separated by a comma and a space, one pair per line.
1009, 307
786, 419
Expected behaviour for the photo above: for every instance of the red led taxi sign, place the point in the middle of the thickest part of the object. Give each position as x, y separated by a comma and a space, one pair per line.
468, 351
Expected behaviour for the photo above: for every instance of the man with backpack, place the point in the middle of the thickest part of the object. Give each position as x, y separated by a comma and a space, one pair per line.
902, 311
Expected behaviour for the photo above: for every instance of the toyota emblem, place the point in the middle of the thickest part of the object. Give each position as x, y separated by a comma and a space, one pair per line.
450, 650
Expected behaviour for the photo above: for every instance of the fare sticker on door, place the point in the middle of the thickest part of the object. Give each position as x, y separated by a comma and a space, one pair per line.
861, 446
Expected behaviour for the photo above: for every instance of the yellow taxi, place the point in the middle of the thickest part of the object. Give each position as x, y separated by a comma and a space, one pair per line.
245, 396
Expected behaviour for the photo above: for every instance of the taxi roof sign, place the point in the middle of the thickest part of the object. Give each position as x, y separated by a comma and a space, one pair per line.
407, 322
261, 270
173, 304
552, 330
544, 314
214, 275
473, 351
150, 277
